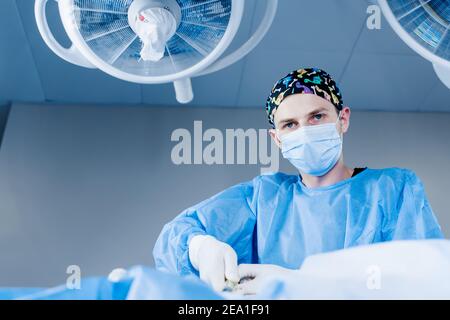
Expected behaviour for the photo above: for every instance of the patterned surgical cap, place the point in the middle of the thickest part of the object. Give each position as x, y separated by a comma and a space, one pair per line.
309, 80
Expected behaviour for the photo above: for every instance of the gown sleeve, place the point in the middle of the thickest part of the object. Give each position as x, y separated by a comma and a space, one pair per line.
229, 216
412, 218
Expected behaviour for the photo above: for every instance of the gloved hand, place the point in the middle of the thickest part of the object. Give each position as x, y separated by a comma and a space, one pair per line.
216, 261
258, 274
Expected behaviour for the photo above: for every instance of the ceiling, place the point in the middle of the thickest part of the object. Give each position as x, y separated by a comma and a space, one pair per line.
375, 69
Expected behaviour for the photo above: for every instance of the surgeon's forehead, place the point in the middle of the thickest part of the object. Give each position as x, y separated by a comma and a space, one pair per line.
300, 106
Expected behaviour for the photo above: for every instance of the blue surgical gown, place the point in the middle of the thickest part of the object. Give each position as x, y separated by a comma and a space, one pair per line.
276, 219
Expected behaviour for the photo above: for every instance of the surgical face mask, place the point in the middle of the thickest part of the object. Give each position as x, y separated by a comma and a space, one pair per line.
314, 150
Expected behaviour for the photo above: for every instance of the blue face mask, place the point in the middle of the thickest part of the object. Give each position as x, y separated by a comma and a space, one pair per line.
313, 150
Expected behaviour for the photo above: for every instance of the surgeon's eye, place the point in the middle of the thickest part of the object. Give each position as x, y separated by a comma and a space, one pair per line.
318, 117
289, 125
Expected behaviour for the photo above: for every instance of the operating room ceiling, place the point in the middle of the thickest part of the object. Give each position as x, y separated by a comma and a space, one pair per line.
375, 69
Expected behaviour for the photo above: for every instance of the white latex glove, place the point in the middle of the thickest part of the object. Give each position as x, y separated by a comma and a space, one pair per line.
216, 261
117, 275
259, 274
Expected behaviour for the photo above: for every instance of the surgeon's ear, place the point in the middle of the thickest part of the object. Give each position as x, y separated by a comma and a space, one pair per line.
273, 134
345, 119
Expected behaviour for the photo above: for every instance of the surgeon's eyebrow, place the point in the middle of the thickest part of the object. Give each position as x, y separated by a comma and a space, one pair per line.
317, 111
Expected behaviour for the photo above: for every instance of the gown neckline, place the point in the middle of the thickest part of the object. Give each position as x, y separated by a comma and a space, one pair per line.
333, 186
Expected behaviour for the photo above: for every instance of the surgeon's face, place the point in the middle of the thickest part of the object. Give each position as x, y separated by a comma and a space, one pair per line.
300, 110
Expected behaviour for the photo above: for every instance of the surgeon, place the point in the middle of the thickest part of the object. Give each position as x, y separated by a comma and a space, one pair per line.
273, 222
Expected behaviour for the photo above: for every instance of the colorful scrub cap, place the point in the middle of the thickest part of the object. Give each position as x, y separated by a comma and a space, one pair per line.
309, 80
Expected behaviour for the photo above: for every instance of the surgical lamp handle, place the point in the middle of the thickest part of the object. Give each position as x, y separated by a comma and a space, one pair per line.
71, 54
